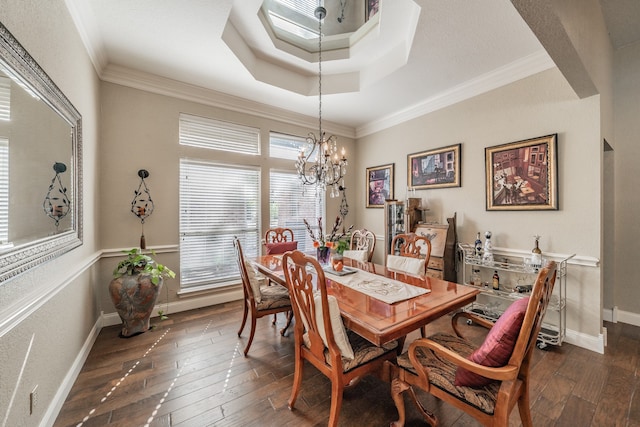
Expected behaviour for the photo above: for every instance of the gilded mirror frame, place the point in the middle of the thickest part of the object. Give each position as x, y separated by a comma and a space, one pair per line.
30, 254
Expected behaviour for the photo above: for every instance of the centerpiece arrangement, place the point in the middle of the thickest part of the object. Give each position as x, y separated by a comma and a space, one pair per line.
333, 241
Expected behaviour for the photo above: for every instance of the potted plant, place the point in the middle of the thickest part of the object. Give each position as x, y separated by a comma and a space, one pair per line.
134, 289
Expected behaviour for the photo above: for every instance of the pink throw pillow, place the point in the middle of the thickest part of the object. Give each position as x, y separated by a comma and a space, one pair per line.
498, 345
281, 247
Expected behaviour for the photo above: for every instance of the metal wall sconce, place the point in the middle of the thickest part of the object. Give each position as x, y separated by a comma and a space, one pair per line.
56, 204
142, 204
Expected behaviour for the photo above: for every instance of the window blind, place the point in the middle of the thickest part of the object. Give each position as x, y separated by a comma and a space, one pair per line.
218, 135
217, 202
5, 99
4, 190
304, 7
289, 205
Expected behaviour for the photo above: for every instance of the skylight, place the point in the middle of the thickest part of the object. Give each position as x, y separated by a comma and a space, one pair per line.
292, 27
304, 7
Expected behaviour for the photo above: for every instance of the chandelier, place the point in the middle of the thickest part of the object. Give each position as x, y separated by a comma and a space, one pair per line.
322, 166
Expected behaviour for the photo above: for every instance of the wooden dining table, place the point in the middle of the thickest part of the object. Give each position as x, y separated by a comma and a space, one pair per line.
378, 321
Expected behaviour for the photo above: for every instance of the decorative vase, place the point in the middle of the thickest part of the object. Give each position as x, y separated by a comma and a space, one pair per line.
323, 255
134, 297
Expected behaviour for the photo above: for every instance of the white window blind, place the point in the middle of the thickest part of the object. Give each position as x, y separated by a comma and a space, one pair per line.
218, 135
217, 202
4, 190
288, 206
304, 7
5, 99
288, 147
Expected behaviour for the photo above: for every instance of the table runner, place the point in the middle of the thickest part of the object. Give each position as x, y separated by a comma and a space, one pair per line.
379, 287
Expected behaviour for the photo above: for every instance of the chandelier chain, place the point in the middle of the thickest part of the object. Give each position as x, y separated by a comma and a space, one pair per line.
326, 169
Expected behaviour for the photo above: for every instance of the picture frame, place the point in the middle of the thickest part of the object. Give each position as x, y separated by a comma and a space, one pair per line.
438, 168
522, 175
379, 185
371, 8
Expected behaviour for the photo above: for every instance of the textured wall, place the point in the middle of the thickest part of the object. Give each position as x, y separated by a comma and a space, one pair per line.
536, 106
47, 314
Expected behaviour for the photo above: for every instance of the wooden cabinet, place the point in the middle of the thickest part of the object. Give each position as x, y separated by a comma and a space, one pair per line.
443, 239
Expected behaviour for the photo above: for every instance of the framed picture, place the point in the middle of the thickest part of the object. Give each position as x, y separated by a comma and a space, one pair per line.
522, 175
371, 8
437, 168
379, 185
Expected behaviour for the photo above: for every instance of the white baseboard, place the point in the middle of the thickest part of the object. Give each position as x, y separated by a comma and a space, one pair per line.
191, 303
590, 342
616, 315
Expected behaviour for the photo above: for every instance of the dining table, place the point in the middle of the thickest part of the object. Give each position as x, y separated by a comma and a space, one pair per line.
372, 317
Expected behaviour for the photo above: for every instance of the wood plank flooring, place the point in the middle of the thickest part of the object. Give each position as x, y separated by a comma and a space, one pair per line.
190, 371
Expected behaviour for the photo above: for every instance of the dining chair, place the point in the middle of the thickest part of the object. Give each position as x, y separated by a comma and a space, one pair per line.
363, 241
259, 300
320, 336
278, 240
485, 382
412, 253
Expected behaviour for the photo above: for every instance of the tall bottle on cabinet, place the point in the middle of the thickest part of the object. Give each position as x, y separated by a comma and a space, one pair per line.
393, 222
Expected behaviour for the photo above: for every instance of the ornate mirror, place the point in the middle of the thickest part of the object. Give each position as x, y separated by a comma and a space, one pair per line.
40, 164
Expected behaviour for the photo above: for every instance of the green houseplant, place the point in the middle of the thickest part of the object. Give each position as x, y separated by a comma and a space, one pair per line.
137, 280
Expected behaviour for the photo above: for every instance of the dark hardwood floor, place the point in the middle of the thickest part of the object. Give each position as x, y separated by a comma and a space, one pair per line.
190, 371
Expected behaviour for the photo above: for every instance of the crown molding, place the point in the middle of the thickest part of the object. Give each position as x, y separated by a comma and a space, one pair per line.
517, 70
163, 86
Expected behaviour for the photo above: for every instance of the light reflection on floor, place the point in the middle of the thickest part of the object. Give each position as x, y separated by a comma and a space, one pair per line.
124, 377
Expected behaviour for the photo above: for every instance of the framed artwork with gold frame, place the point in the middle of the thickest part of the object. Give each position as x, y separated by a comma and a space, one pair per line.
438, 168
379, 185
522, 175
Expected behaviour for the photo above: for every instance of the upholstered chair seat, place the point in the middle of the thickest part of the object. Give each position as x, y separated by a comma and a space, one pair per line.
442, 373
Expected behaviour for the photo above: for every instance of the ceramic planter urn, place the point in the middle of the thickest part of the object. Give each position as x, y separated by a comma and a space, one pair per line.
134, 297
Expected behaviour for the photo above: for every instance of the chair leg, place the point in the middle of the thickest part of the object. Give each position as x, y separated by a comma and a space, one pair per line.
428, 415
289, 317
336, 403
244, 317
273, 322
423, 331
524, 409
297, 378
253, 331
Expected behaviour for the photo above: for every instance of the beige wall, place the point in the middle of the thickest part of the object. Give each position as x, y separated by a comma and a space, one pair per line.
47, 314
140, 131
536, 106
627, 198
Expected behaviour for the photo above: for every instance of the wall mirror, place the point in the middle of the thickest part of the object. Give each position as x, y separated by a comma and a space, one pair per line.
40, 164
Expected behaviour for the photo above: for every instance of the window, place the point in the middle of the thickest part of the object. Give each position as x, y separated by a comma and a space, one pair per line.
5, 99
288, 206
217, 202
4, 191
304, 7
288, 147
218, 135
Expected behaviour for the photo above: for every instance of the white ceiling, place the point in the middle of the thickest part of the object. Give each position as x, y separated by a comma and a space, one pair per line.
460, 48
